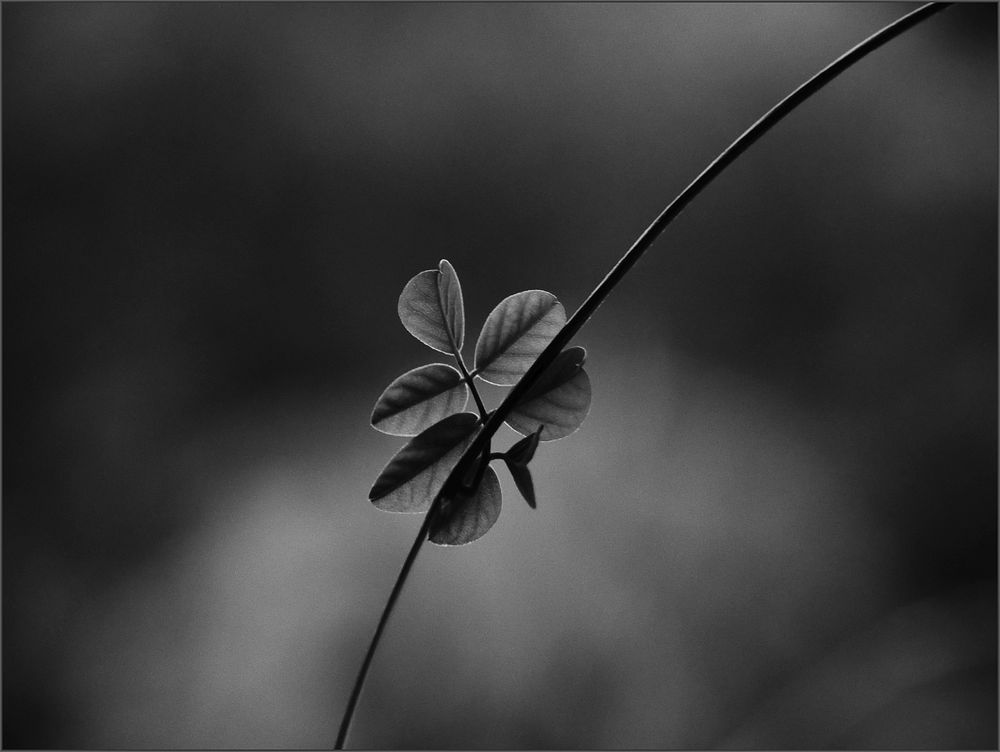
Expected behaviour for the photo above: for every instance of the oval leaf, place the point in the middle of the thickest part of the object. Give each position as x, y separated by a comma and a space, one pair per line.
431, 308
469, 517
515, 333
558, 402
559, 371
416, 474
420, 398
450, 293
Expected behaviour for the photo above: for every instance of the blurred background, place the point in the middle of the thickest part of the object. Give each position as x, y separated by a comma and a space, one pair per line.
777, 527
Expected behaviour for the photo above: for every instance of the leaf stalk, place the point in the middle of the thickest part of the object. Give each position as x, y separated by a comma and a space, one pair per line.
470, 380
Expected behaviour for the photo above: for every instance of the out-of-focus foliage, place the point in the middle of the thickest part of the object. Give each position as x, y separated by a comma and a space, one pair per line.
779, 527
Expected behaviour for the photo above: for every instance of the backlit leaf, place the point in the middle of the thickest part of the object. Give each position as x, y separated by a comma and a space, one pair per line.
451, 301
416, 474
431, 308
419, 399
559, 400
468, 516
514, 334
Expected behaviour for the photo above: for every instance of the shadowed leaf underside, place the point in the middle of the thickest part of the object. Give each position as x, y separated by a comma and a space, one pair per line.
522, 479
468, 517
415, 475
517, 459
559, 400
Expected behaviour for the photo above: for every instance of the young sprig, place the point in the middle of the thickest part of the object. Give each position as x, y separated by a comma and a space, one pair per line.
428, 403
552, 396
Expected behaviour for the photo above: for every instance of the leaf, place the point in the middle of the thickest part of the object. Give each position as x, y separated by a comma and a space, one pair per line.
523, 451
450, 292
431, 308
415, 475
515, 333
468, 516
522, 479
559, 400
517, 459
419, 399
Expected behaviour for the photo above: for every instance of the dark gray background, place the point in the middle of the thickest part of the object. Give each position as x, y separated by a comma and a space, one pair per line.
777, 526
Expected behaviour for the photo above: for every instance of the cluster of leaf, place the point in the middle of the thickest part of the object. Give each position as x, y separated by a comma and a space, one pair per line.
428, 403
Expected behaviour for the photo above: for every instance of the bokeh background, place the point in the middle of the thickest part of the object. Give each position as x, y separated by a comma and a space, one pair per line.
777, 527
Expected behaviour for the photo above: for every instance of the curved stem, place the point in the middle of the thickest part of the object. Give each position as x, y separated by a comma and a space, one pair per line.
494, 420
771, 118
359, 683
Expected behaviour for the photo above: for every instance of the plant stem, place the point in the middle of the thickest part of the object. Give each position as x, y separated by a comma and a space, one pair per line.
359, 683
457, 352
771, 118
494, 420
472, 385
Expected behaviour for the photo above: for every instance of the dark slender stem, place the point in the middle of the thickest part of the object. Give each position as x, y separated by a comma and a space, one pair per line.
771, 118
359, 683
494, 420
484, 462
